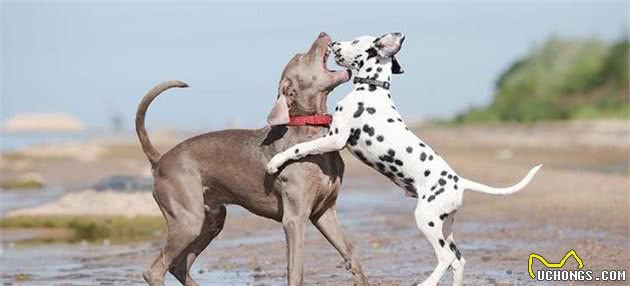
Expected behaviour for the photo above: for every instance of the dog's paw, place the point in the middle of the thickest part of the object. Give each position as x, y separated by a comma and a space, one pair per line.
273, 165
271, 169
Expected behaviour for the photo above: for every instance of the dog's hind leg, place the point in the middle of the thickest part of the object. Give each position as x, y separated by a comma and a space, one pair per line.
431, 223
181, 203
458, 264
328, 225
212, 226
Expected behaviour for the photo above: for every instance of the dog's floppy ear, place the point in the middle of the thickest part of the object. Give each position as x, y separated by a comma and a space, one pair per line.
279, 114
389, 45
396, 68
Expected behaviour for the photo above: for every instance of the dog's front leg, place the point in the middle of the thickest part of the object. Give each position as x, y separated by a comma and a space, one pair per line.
334, 141
329, 226
294, 217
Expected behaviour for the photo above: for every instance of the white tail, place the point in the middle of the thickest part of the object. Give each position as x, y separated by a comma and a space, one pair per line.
477, 187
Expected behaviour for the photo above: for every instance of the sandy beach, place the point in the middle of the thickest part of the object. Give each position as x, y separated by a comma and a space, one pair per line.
580, 200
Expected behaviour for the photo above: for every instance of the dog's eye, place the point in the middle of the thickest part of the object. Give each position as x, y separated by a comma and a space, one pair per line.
354, 42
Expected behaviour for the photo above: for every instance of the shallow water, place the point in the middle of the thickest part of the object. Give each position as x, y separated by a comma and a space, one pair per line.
380, 222
10, 200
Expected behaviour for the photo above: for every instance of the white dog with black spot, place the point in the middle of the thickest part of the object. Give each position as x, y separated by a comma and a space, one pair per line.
367, 123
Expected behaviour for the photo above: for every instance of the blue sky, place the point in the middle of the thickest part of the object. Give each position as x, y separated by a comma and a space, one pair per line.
93, 59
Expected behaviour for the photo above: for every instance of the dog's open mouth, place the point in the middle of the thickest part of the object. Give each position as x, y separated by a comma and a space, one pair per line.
338, 75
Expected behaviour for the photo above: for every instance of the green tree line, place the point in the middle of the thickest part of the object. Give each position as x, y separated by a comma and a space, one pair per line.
559, 80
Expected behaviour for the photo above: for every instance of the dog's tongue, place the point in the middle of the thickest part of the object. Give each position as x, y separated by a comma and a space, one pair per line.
342, 75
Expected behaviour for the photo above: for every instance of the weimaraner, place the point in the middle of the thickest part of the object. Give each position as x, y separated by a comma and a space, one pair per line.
198, 177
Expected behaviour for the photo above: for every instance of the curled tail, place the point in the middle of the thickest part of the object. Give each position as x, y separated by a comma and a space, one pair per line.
477, 187
152, 154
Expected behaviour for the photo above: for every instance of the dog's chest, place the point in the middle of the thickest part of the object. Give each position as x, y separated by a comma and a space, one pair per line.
381, 140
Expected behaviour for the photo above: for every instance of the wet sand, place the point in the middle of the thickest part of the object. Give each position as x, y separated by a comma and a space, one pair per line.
580, 200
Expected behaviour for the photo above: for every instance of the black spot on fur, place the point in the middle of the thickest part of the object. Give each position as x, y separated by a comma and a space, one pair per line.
409, 149
296, 151
455, 187
398, 162
368, 142
380, 138
441, 241
393, 107
441, 190
443, 216
431, 224
386, 158
380, 166
368, 129
391, 152
450, 176
370, 110
400, 120
360, 109
423, 156
422, 145
336, 131
393, 168
456, 178
354, 136
431, 197
400, 175
360, 88
427, 173
442, 182
371, 52
454, 249
430, 157
443, 173
368, 69
372, 87
390, 120
379, 69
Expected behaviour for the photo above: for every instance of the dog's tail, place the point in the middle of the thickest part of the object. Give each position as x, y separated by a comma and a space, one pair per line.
477, 187
152, 154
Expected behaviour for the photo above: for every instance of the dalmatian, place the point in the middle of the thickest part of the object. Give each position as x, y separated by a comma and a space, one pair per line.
367, 123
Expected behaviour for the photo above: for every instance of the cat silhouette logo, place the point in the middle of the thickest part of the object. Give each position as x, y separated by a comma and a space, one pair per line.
547, 264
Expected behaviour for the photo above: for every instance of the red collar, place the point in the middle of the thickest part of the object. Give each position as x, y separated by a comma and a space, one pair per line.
317, 120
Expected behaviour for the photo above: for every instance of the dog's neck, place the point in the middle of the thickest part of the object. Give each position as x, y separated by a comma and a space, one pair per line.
376, 68
309, 105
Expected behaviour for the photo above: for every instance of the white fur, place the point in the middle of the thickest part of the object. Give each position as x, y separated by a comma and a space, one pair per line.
428, 177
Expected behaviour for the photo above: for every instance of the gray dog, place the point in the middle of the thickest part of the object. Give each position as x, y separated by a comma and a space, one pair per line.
198, 177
